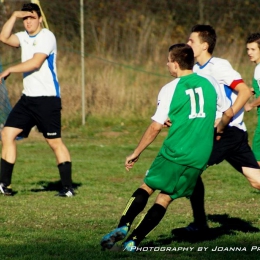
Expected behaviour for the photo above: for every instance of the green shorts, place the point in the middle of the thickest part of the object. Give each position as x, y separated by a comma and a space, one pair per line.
173, 179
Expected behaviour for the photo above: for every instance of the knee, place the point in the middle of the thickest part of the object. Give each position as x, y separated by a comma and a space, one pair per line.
256, 185
163, 200
54, 143
7, 135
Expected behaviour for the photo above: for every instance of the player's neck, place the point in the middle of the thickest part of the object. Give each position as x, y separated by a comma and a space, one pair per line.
204, 58
182, 73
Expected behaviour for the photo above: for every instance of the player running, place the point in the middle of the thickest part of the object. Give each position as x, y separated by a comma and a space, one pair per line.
233, 145
190, 101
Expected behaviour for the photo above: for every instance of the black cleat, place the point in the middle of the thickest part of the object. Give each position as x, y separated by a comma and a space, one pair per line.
6, 190
66, 192
192, 230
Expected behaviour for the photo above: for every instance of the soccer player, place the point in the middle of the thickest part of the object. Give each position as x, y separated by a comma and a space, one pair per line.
40, 103
233, 145
190, 103
253, 51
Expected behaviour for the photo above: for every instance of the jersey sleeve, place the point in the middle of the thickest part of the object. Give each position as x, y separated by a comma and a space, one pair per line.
163, 102
20, 36
225, 74
257, 75
46, 43
223, 102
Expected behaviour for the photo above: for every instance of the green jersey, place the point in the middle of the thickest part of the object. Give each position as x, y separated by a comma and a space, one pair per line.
256, 84
192, 112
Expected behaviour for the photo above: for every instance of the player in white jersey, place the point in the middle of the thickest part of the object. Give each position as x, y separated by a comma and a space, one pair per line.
40, 104
233, 145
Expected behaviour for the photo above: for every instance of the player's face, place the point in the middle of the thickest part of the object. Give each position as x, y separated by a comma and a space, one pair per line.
195, 44
253, 52
32, 24
171, 67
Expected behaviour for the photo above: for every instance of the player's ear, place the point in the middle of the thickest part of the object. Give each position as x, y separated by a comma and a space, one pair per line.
176, 65
205, 46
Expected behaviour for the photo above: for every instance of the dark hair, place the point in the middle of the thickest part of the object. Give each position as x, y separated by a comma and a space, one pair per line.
30, 7
254, 37
206, 34
183, 54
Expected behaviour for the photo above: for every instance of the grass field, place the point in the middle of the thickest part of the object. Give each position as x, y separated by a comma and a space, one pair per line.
37, 225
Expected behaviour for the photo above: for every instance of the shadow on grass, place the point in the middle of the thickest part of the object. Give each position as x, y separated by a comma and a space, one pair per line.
52, 186
228, 226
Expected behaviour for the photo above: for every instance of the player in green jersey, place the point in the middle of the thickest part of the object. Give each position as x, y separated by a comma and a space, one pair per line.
190, 101
253, 51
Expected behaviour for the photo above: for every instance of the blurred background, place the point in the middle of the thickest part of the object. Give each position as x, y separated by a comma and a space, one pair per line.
125, 49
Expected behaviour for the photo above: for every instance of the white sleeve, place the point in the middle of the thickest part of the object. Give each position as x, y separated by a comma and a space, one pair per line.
164, 102
224, 73
257, 75
46, 43
223, 103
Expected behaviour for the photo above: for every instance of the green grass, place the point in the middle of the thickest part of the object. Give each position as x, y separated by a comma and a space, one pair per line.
35, 224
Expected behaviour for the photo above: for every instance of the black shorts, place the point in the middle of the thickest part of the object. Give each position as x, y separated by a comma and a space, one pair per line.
234, 148
43, 112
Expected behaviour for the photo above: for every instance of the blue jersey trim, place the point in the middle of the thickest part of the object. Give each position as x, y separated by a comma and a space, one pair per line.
50, 60
203, 66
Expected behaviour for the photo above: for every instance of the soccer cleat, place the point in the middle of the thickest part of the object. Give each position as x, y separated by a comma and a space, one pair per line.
191, 229
66, 192
129, 246
115, 235
6, 190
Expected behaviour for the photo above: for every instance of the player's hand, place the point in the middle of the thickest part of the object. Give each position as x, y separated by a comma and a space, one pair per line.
130, 161
252, 91
226, 118
167, 123
247, 107
4, 75
23, 14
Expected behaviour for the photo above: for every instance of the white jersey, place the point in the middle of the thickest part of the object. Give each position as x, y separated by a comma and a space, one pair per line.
228, 79
44, 81
167, 92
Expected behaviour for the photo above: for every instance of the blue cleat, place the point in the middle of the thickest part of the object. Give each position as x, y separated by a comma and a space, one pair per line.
129, 246
111, 238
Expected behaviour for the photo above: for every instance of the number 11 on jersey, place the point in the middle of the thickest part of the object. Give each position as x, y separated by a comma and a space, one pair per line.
192, 93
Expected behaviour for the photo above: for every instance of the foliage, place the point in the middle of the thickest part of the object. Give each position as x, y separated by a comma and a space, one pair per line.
126, 45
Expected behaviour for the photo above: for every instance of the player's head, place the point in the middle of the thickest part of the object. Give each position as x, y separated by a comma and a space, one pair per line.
183, 54
253, 47
254, 37
204, 36
30, 7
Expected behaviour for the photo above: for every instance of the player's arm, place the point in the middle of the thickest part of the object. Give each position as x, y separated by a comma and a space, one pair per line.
224, 121
243, 95
255, 103
148, 137
30, 65
6, 35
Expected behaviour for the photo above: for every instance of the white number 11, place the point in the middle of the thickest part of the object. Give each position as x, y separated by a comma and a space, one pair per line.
193, 113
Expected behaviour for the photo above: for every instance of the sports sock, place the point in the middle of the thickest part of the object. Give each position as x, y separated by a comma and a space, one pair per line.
147, 224
65, 174
134, 206
6, 172
197, 203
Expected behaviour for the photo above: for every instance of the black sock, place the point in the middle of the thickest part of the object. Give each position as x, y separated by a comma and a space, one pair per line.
149, 222
65, 174
197, 203
6, 172
134, 206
